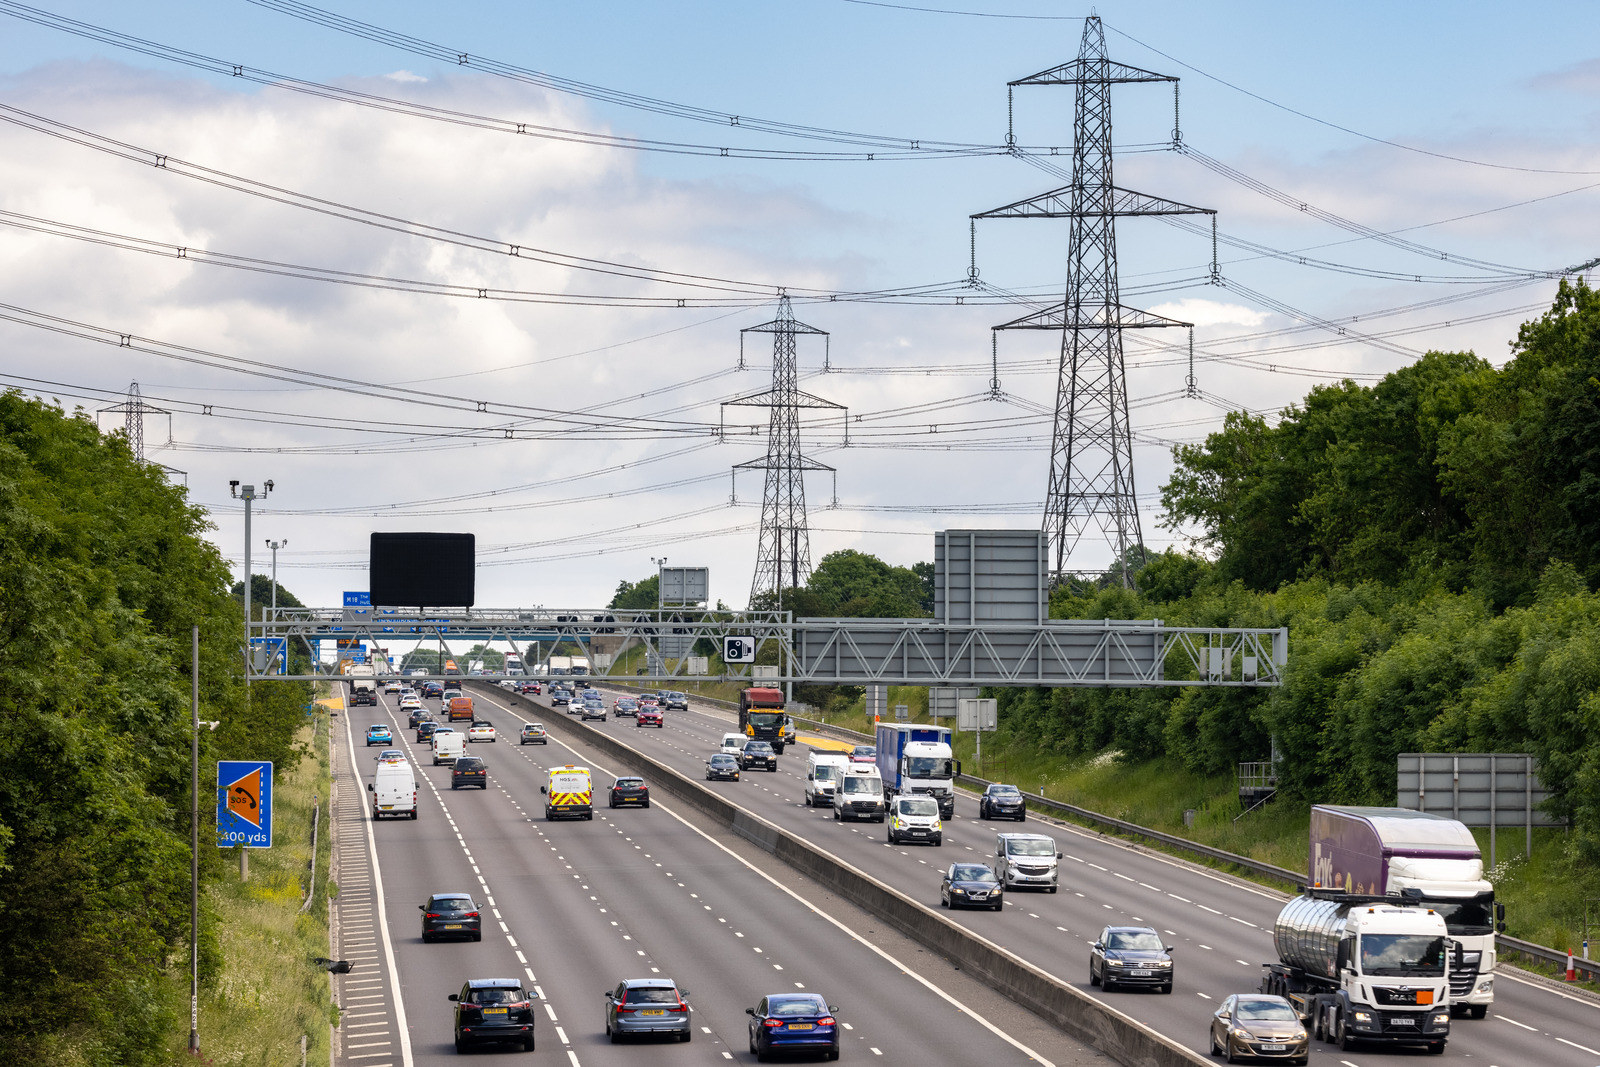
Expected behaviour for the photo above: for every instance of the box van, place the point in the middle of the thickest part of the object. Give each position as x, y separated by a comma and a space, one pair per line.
859, 795
447, 745
394, 790
823, 771
1023, 860
460, 708
569, 793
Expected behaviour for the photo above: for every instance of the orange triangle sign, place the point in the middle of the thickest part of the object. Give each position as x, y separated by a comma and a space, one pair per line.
244, 798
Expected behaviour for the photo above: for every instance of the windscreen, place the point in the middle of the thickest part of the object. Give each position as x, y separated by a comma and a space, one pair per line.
795, 1006
652, 996
825, 773
856, 784
929, 767
1402, 954
1466, 917
766, 720
1140, 941
1027, 847
1266, 1010
917, 806
972, 872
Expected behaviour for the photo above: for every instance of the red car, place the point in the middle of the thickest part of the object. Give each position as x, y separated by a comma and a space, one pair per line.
529, 687
649, 715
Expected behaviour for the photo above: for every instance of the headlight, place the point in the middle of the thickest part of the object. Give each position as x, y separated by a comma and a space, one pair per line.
1486, 985
1442, 1018
1363, 1017
1163, 963
1115, 963
1242, 1033
958, 891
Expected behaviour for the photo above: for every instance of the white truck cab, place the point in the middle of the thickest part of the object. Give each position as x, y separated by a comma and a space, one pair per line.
823, 771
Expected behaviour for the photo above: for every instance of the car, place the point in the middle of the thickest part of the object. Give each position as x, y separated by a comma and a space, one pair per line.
630, 790
580, 683
1130, 956
649, 717
389, 754
624, 706
793, 1022
493, 1009
758, 754
560, 696
647, 1006
722, 768
527, 688
1255, 1024
409, 699
432, 690
392, 686
675, 702
425, 730
864, 754
649, 702
480, 731
533, 734
971, 885
1002, 802
378, 734
468, 771
592, 709
733, 744
507, 683
420, 715
450, 915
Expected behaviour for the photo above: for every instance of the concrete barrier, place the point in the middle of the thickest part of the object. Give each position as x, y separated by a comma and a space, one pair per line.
1068, 1008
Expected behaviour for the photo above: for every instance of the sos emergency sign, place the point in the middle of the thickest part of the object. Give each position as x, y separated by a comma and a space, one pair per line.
244, 803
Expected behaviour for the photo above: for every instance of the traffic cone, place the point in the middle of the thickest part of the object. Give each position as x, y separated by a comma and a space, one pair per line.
1572, 971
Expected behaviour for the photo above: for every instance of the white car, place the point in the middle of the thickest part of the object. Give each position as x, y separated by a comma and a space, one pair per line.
480, 731
410, 700
733, 744
507, 683
391, 686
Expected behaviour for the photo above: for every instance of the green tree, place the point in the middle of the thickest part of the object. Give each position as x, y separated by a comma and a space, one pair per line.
643, 594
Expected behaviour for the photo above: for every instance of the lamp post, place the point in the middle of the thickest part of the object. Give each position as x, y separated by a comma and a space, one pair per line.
660, 664
275, 545
248, 494
194, 838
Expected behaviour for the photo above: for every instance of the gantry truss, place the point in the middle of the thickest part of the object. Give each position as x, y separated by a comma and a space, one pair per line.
676, 645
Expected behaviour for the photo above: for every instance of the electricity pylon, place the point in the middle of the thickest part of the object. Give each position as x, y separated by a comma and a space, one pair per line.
783, 557
1091, 451
134, 409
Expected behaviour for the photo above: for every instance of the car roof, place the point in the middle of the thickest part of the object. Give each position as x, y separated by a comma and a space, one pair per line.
629, 778
649, 983
494, 983
1131, 929
1027, 837
450, 896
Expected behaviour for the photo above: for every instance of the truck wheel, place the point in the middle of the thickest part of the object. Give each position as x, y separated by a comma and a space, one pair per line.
836, 815
1345, 1039
1478, 1011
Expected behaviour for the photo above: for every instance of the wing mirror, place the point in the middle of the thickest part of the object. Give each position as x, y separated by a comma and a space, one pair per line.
1224, 1015
455, 996
750, 1011
1099, 946
543, 790
370, 789
833, 1009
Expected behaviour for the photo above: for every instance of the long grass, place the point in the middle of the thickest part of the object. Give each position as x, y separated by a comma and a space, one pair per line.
267, 993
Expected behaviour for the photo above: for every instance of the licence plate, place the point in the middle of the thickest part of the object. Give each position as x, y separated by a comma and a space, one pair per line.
919, 833
385, 807
801, 1026
1139, 973
1270, 1047
452, 926
495, 1011
1402, 1021
653, 1011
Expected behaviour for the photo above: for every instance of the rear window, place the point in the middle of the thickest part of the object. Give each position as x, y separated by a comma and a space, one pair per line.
652, 996
452, 904
795, 1006
468, 763
498, 996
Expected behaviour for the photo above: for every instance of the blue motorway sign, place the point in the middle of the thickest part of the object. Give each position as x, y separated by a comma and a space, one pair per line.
360, 599
244, 803
271, 654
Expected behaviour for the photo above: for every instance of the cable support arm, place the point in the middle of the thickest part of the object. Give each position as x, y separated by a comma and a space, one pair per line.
1073, 72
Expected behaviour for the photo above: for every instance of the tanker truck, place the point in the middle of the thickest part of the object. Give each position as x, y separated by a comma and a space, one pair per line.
1364, 969
1386, 851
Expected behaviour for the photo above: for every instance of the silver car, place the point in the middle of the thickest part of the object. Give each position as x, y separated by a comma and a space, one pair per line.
647, 1006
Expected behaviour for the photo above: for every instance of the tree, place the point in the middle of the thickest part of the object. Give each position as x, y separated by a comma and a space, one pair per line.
643, 594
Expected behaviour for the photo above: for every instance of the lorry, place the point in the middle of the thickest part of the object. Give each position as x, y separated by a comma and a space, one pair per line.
761, 715
560, 664
1360, 967
1387, 851
917, 759
363, 685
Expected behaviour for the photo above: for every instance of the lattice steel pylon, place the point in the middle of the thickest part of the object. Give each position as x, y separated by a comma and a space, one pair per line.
1091, 453
134, 409
783, 556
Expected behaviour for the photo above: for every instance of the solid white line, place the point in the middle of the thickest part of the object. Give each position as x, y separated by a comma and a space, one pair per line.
383, 916
907, 971
1513, 1022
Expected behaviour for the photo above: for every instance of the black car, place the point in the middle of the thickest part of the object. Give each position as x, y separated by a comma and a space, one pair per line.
432, 689
493, 1009
420, 716
425, 730
1002, 802
722, 767
469, 770
450, 915
758, 754
630, 791
971, 885
1130, 956
559, 696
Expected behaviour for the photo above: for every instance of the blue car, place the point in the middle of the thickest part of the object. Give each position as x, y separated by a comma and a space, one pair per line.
793, 1022
378, 734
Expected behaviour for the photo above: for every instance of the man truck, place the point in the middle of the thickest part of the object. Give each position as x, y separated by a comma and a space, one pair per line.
917, 759
761, 716
1361, 968
1387, 851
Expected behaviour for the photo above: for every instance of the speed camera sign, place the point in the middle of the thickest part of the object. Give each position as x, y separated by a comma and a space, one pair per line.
739, 649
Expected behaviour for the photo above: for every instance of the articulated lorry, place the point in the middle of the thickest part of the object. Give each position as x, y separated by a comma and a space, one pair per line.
1361, 968
1387, 852
917, 759
761, 716
363, 685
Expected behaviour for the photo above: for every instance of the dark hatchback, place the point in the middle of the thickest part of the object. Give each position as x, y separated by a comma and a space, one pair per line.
722, 767
450, 915
971, 885
560, 697
758, 754
793, 1022
425, 730
493, 1009
626, 791
469, 771
1130, 956
1002, 802
433, 690
420, 716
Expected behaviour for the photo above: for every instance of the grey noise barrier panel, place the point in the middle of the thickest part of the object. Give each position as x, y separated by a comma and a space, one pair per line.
1080, 1016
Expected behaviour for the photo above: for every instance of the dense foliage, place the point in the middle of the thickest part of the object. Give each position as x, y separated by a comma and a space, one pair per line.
103, 571
1431, 543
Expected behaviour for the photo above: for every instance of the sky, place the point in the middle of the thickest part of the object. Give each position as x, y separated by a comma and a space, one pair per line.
441, 321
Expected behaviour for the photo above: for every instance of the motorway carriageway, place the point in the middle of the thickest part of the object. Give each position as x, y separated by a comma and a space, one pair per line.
571, 907
1221, 926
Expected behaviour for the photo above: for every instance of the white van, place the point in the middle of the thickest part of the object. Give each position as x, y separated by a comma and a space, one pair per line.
447, 745
733, 744
914, 818
823, 771
859, 795
394, 790
1023, 860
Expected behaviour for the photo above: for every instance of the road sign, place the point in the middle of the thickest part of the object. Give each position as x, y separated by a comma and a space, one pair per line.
270, 655
902, 712
244, 803
977, 714
360, 599
739, 649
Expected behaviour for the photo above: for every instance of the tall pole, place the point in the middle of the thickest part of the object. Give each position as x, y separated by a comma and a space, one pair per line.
248, 494
194, 841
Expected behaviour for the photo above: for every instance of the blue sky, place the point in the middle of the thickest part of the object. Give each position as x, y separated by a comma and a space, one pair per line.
1515, 101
